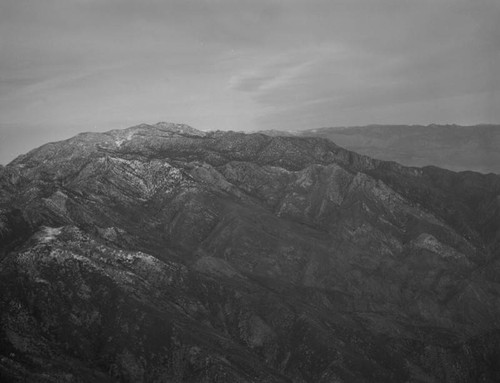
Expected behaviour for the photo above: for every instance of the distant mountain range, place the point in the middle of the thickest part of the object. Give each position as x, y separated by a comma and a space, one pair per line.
160, 253
451, 147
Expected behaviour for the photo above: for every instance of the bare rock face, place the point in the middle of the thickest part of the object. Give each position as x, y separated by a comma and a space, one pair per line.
160, 253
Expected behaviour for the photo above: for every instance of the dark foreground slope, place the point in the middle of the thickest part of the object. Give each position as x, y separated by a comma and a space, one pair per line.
448, 146
164, 254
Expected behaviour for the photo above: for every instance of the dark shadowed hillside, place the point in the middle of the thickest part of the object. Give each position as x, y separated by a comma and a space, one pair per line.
448, 146
160, 253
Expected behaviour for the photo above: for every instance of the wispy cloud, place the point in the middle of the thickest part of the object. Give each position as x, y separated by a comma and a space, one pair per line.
273, 74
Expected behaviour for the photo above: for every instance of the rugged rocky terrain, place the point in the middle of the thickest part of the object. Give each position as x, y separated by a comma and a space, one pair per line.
452, 147
160, 253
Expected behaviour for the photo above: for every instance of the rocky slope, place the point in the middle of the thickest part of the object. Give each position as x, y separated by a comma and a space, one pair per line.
160, 253
452, 147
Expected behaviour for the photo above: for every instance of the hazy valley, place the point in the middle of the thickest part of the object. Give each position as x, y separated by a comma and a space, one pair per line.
453, 147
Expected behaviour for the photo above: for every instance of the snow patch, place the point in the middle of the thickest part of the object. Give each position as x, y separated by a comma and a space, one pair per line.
430, 243
48, 234
120, 141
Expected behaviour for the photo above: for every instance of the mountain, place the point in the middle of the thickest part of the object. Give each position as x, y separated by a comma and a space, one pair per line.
161, 253
452, 147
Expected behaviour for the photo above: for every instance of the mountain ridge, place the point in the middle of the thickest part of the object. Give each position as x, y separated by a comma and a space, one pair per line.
243, 257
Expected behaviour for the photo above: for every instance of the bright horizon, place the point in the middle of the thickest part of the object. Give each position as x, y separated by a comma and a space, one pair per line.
68, 66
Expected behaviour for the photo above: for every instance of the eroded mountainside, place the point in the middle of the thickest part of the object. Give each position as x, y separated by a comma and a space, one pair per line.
452, 147
160, 253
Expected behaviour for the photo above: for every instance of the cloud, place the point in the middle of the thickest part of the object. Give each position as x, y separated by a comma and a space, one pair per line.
273, 73
247, 64
420, 55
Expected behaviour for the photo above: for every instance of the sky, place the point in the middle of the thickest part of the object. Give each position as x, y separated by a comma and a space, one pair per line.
68, 66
